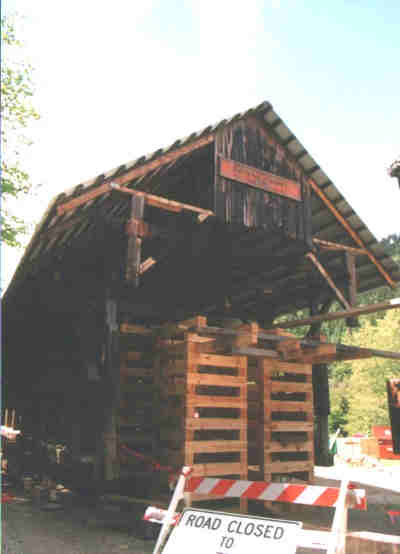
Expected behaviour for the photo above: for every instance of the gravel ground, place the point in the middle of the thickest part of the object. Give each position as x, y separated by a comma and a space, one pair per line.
28, 529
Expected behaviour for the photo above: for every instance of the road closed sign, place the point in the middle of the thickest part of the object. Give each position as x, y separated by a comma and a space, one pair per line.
204, 532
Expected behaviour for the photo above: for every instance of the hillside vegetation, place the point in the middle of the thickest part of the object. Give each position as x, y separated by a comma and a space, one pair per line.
358, 388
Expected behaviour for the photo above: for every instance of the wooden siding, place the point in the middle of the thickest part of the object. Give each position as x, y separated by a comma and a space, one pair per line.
247, 141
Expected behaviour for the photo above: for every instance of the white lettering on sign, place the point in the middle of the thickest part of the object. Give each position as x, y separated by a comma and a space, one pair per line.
204, 532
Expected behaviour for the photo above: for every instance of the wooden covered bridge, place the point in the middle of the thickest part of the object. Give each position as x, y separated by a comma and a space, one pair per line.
142, 317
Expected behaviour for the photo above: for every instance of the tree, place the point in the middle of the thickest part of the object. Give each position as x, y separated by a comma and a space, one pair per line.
17, 113
366, 386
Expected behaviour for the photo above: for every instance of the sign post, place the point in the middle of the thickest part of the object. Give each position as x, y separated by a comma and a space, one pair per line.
201, 531
170, 515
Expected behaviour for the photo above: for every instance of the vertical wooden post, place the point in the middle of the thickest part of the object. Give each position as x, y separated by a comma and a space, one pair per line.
265, 390
112, 392
309, 397
321, 412
350, 261
134, 240
13, 419
190, 408
242, 372
320, 381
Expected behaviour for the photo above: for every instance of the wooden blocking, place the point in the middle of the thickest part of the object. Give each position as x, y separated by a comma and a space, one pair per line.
248, 335
216, 413
288, 421
134, 249
193, 323
129, 328
318, 354
290, 349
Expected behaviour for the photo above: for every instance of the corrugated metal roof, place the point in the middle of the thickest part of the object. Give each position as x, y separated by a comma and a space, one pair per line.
325, 224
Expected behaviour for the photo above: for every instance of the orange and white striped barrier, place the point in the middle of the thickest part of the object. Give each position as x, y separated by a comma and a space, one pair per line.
334, 542
157, 515
275, 492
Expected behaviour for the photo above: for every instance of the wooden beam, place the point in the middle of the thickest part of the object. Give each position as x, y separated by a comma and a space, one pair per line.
147, 264
133, 173
164, 203
134, 249
332, 316
83, 198
328, 245
350, 263
328, 278
111, 391
351, 231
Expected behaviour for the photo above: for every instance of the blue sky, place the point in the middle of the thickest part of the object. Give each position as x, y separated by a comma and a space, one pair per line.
117, 80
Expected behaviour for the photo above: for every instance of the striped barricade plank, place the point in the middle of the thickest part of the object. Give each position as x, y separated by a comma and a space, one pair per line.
275, 492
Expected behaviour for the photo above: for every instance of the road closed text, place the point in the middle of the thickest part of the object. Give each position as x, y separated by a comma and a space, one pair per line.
262, 530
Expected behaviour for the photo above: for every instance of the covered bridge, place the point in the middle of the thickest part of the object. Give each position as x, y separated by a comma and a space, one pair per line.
141, 316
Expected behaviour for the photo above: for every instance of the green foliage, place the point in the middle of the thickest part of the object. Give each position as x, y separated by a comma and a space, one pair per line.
17, 113
367, 383
357, 389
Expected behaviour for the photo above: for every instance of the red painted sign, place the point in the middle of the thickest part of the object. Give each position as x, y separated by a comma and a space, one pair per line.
260, 179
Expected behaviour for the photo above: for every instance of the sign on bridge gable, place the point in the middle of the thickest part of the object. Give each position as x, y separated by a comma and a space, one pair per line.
204, 532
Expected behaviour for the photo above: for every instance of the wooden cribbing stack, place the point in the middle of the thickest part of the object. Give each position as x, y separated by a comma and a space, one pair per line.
217, 399
203, 407
137, 422
280, 403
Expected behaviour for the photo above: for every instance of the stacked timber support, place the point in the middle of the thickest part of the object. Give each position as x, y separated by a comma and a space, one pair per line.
218, 400
138, 417
203, 408
287, 406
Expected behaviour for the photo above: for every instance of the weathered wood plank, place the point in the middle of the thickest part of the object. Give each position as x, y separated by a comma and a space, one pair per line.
205, 423
218, 360
291, 426
286, 406
275, 446
227, 468
289, 367
289, 467
215, 380
284, 386
215, 446
208, 401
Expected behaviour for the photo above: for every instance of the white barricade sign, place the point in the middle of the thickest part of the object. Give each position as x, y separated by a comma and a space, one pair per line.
205, 532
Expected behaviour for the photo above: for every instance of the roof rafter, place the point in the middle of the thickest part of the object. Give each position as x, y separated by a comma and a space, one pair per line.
351, 231
133, 173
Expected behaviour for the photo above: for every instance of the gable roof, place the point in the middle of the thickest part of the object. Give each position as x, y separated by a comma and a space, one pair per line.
333, 218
